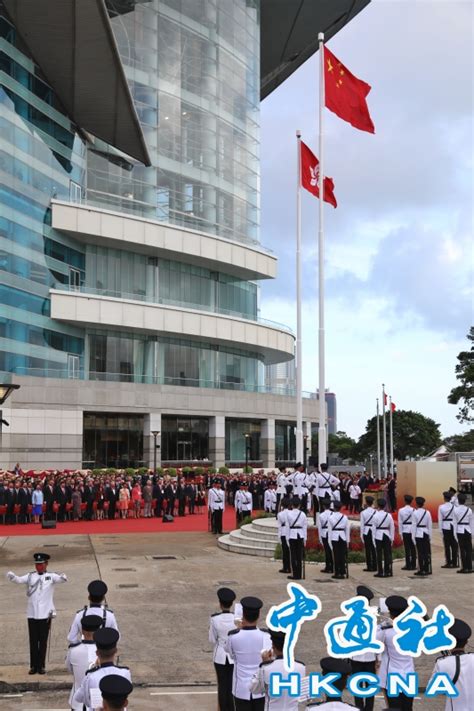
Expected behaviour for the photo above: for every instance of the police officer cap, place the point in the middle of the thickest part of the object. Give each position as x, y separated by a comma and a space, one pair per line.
420, 500
369, 499
97, 588
396, 603
364, 592
251, 603
226, 595
447, 495
91, 623
339, 666
114, 687
217, 481
381, 503
278, 637
408, 498
296, 501
460, 630
243, 483
337, 505
41, 557
106, 638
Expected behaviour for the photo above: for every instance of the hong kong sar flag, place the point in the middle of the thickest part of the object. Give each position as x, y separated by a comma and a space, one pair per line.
310, 176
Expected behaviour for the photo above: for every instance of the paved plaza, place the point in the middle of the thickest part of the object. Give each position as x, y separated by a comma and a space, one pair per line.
162, 589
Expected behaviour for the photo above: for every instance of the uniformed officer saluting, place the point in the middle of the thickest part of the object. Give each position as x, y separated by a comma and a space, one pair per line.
106, 642
421, 532
40, 609
272, 663
97, 590
115, 691
446, 526
82, 655
459, 666
220, 625
339, 536
216, 504
245, 645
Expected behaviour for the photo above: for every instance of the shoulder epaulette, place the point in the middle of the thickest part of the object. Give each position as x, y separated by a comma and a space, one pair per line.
92, 669
107, 609
74, 644
120, 666
233, 631
216, 614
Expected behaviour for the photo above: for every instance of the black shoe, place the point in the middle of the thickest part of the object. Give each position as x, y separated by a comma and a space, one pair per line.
41, 671
388, 575
405, 567
379, 575
282, 570
32, 671
367, 570
460, 571
418, 572
447, 565
292, 577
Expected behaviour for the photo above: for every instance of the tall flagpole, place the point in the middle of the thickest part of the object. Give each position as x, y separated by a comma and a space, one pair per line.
384, 433
322, 443
378, 441
299, 378
391, 434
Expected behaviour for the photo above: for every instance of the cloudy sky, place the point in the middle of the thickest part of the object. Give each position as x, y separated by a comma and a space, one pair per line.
399, 248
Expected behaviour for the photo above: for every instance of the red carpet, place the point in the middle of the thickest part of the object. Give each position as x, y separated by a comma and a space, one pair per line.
197, 522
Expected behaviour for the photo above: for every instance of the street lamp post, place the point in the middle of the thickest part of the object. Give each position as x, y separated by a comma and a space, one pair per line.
247, 447
155, 434
305, 451
371, 464
6, 390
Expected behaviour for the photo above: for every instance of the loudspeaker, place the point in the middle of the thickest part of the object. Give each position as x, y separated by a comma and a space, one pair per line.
168, 518
48, 524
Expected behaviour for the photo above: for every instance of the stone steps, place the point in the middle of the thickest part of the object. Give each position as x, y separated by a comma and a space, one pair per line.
257, 538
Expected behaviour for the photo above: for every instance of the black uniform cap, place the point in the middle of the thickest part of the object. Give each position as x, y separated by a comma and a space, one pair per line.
91, 623
396, 603
41, 557
114, 687
97, 588
447, 495
339, 666
365, 592
381, 502
278, 637
251, 603
460, 630
336, 505
420, 500
106, 638
226, 595
369, 499
408, 498
296, 501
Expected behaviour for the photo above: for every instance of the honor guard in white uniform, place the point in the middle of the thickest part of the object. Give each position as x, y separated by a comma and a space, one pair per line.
81, 656
405, 524
283, 536
364, 662
216, 505
269, 499
391, 661
311, 485
421, 532
454, 496
40, 608
323, 531
243, 502
324, 481
115, 691
459, 666
463, 533
339, 536
106, 640
281, 487
446, 526
97, 590
329, 665
272, 663
354, 497
334, 495
384, 533
221, 623
245, 646
367, 516
297, 527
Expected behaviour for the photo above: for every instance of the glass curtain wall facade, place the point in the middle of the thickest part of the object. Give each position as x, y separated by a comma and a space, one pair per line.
235, 441
112, 440
184, 438
285, 441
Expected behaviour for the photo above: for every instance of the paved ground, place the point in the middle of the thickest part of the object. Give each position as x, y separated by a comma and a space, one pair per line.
163, 607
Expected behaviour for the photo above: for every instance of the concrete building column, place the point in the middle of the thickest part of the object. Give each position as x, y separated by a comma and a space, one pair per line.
152, 424
267, 443
217, 440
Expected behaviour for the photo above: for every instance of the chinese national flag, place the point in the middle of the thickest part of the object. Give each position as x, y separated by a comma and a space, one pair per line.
393, 406
310, 176
345, 94
385, 399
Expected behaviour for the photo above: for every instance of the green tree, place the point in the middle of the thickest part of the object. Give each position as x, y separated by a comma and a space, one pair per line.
461, 442
342, 445
413, 434
463, 394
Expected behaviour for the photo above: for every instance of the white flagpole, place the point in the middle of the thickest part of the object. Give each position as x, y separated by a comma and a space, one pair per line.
322, 442
391, 434
384, 434
299, 359
378, 441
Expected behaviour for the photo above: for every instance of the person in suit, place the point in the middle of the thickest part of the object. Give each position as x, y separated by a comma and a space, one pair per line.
181, 497
190, 494
158, 496
60, 497
48, 493
23, 499
112, 496
170, 496
11, 497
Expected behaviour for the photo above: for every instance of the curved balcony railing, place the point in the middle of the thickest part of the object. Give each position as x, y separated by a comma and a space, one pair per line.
172, 302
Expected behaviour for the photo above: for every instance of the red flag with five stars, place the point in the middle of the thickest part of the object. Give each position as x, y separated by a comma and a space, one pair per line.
310, 176
346, 94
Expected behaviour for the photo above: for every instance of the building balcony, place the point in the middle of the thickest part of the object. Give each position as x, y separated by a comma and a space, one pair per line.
274, 344
94, 225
